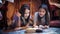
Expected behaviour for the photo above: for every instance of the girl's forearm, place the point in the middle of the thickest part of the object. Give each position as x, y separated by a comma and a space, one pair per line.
56, 4
52, 3
34, 24
19, 22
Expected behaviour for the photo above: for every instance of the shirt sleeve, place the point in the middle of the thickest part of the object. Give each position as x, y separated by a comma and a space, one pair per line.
35, 17
47, 23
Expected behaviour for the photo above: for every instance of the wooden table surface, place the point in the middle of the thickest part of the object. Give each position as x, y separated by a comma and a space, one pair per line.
51, 30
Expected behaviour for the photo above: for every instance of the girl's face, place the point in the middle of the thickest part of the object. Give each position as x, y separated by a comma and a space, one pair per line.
27, 11
42, 12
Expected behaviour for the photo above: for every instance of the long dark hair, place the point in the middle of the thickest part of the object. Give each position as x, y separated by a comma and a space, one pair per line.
22, 11
47, 15
46, 2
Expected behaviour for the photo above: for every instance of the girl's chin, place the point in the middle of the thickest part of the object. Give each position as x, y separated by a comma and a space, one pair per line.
25, 17
41, 16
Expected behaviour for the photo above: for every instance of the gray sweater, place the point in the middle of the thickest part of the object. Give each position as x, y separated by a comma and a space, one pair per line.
40, 20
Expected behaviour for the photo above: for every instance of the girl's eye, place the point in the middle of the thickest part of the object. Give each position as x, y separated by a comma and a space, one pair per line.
43, 11
25, 12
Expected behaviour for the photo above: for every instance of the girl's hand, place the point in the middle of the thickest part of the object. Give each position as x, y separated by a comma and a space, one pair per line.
35, 26
41, 26
46, 26
17, 28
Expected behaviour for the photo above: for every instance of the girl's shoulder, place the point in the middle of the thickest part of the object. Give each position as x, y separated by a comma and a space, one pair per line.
36, 13
16, 16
